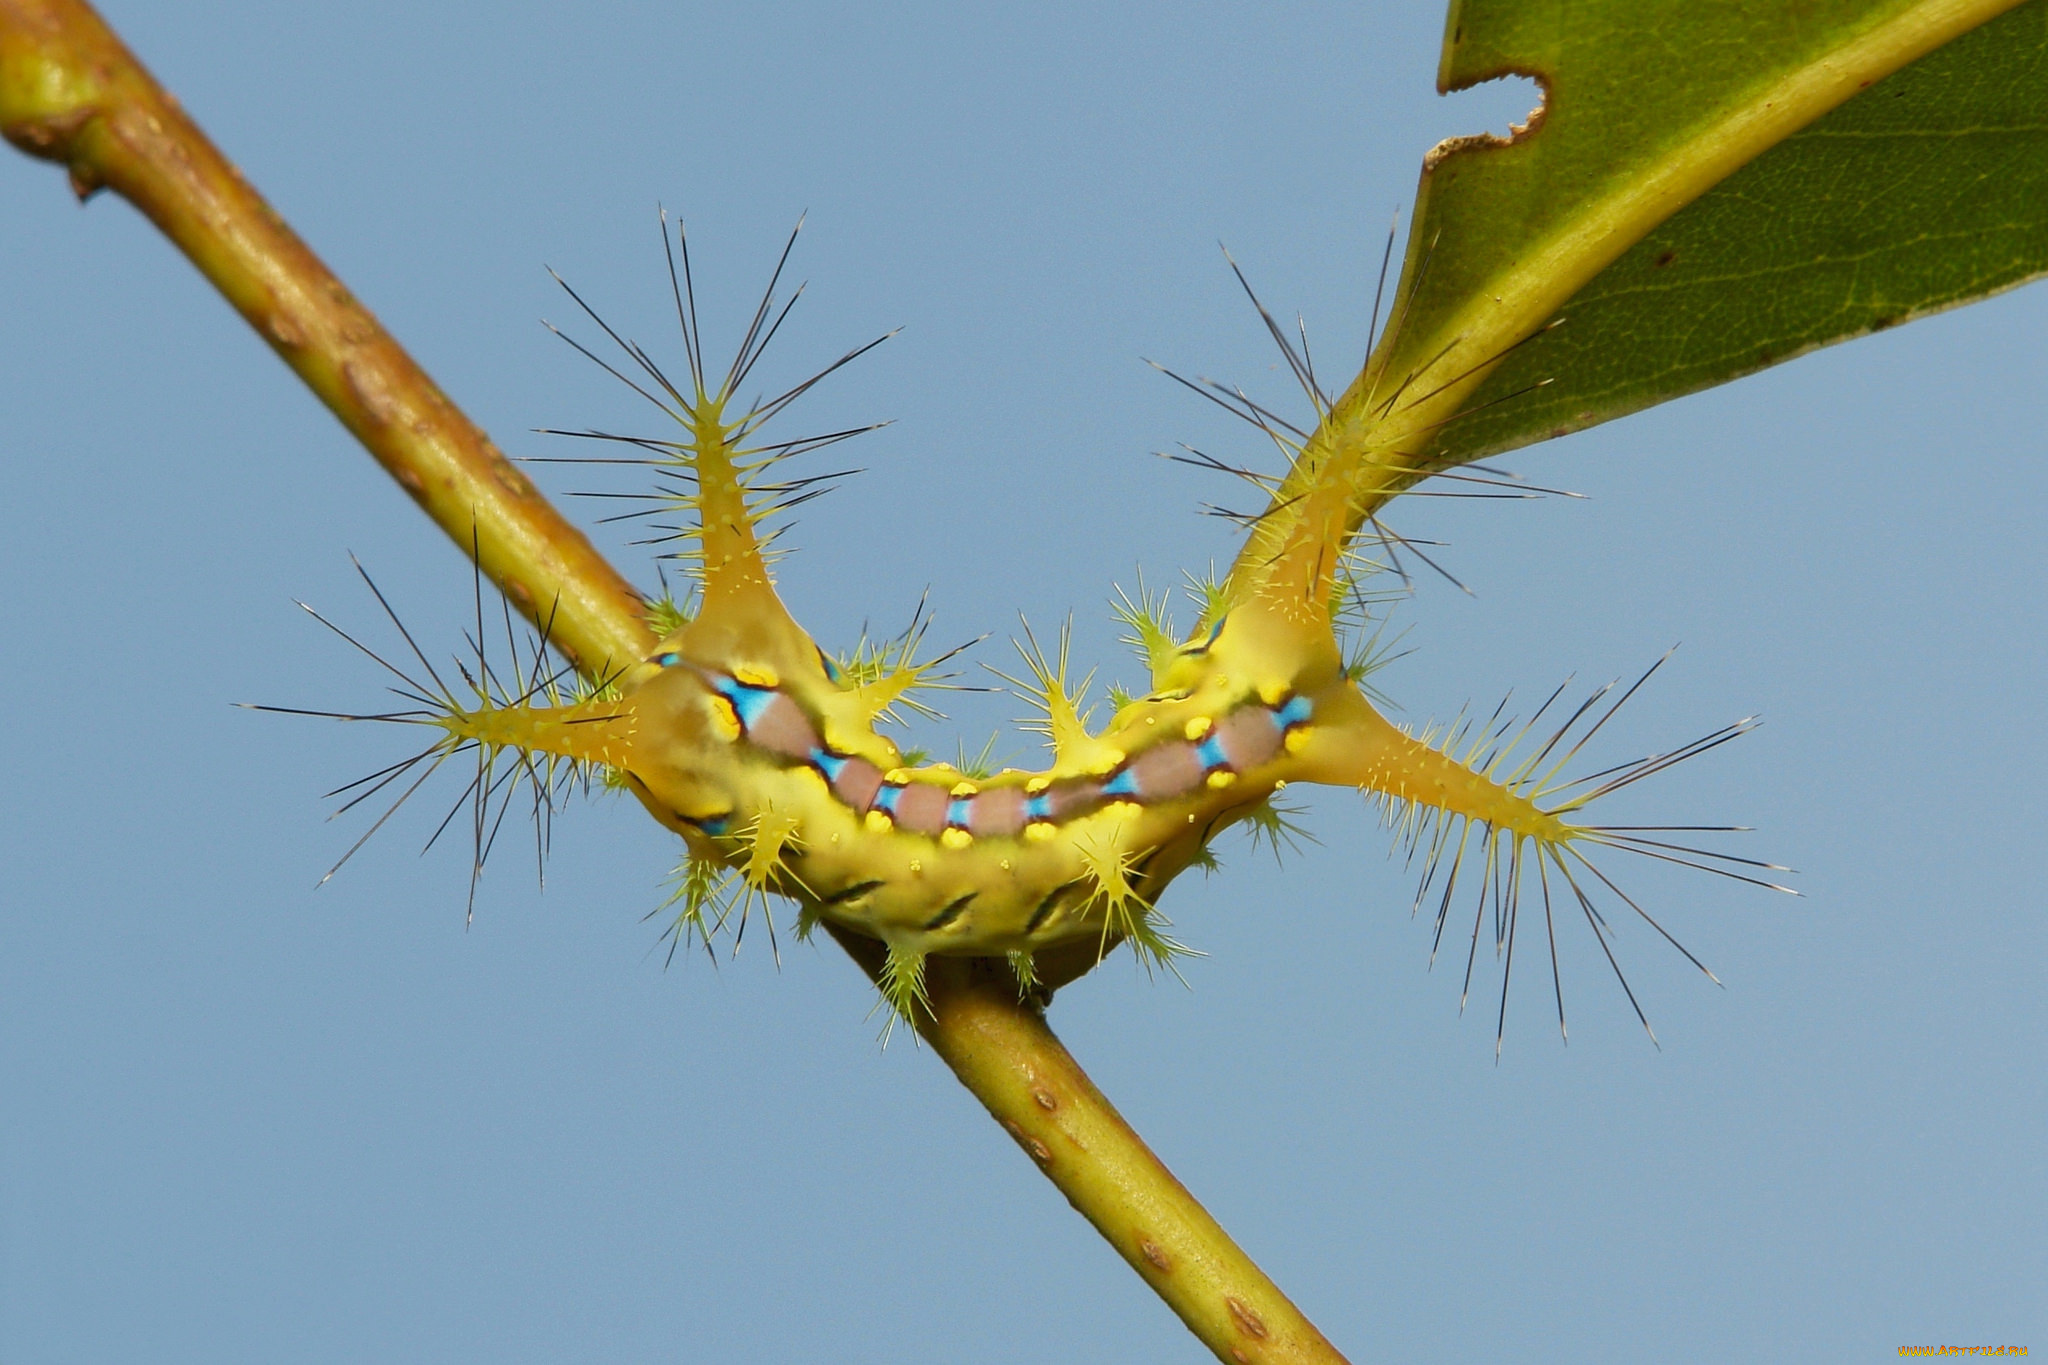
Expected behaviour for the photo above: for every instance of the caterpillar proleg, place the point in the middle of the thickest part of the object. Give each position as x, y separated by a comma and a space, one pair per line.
763, 753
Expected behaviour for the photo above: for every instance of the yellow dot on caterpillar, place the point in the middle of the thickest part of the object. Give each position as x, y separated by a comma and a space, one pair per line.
1273, 693
757, 675
724, 720
1038, 831
1297, 740
1004, 864
916, 868
964, 789
878, 822
956, 838
1280, 784
1220, 780
1199, 727
1037, 785
896, 777
835, 839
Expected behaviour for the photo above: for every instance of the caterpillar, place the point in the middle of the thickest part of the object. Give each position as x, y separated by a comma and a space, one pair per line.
763, 752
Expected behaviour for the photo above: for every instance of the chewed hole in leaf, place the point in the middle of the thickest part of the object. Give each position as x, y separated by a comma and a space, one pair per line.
1503, 109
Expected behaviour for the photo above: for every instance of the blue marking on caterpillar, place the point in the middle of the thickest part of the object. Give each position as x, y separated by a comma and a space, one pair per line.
747, 702
1124, 783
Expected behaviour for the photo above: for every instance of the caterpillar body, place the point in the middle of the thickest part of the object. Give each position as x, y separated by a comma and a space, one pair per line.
761, 759
740, 734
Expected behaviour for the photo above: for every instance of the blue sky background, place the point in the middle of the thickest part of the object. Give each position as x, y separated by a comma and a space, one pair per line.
246, 1119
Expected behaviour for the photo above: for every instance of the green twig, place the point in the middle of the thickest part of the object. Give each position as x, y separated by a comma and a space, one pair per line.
70, 92
1006, 1055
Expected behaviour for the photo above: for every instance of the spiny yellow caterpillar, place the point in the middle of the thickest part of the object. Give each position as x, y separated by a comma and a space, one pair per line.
739, 733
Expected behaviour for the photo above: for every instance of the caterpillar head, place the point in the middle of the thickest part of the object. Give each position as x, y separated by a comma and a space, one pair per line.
683, 728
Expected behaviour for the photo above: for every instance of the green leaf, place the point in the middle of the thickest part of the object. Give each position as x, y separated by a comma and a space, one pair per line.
1928, 190
1709, 188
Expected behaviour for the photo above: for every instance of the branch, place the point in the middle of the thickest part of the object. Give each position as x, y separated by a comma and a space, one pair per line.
70, 92
1004, 1054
